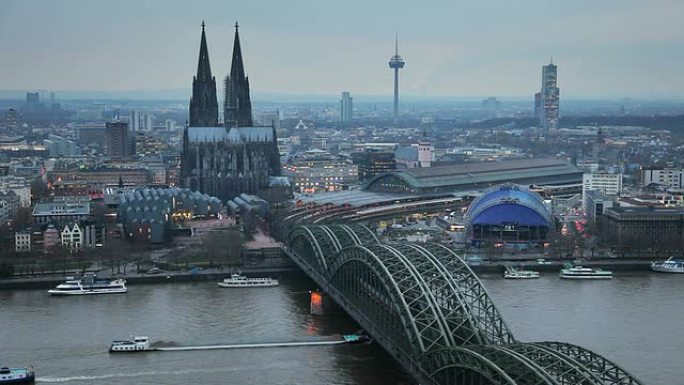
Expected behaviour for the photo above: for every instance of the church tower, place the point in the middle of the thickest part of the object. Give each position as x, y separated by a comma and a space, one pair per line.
203, 103
237, 105
226, 161
599, 145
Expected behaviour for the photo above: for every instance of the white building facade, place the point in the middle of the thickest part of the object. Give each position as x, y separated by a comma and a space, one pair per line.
609, 184
72, 238
666, 177
605, 183
22, 241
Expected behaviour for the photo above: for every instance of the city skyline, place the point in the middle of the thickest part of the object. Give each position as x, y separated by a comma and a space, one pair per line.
260, 182
451, 55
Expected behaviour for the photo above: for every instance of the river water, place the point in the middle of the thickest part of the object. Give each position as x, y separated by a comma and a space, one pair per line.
634, 319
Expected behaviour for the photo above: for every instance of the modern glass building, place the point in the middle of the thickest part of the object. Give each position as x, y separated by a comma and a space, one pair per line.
373, 162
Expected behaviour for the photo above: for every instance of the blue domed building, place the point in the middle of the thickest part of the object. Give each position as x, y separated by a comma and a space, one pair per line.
508, 214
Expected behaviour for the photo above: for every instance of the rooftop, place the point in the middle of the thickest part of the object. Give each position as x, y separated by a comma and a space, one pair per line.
406, 153
486, 173
360, 198
645, 211
43, 209
356, 198
236, 134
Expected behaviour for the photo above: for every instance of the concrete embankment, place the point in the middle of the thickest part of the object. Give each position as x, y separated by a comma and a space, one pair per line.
216, 275
556, 266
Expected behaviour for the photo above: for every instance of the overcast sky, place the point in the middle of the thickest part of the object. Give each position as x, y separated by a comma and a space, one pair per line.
604, 48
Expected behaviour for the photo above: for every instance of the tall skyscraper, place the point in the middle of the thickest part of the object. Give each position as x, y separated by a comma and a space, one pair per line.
32, 101
237, 104
549, 98
134, 121
203, 103
148, 122
396, 63
170, 125
346, 107
537, 106
491, 107
140, 121
118, 142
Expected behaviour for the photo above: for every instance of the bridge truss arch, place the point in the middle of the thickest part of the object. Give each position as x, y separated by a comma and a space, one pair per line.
319, 244
385, 287
427, 308
544, 363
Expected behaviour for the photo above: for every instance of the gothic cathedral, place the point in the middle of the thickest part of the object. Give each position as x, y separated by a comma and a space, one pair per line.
233, 158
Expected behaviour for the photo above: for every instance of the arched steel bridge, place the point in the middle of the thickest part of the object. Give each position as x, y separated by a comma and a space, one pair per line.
427, 308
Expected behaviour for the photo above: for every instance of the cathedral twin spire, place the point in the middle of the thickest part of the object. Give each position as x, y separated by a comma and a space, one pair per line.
203, 103
203, 66
237, 103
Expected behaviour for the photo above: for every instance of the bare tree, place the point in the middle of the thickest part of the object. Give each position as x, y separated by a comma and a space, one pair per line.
22, 218
223, 247
39, 189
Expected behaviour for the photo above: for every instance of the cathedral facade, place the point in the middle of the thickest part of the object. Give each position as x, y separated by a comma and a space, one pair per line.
225, 160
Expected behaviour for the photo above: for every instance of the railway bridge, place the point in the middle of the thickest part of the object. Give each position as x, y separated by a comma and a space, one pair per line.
426, 308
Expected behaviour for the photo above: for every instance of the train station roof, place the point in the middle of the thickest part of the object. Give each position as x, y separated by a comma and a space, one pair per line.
478, 175
356, 198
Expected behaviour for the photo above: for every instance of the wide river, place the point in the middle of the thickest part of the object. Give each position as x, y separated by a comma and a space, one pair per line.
634, 319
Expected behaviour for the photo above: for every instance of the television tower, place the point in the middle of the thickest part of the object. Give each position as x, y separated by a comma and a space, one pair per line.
396, 63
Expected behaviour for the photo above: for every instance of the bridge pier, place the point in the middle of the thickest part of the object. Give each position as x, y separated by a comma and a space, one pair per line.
322, 304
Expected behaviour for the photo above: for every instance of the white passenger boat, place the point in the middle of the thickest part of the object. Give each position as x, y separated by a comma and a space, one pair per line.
135, 344
237, 280
669, 266
17, 376
512, 273
88, 284
579, 272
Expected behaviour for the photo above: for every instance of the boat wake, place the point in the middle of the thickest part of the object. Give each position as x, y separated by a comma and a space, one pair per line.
163, 344
132, 375
81, 354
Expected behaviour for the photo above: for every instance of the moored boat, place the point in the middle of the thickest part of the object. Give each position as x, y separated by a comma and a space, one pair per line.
89, 284
17, 376
356, 338
512, 273
135, 344
669, 266
580, 272
237, 280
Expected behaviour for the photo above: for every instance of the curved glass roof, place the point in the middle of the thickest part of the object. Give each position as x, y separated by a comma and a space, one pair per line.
477, 175
509, 204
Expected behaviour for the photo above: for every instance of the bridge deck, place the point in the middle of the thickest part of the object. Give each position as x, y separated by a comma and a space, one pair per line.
425, 306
